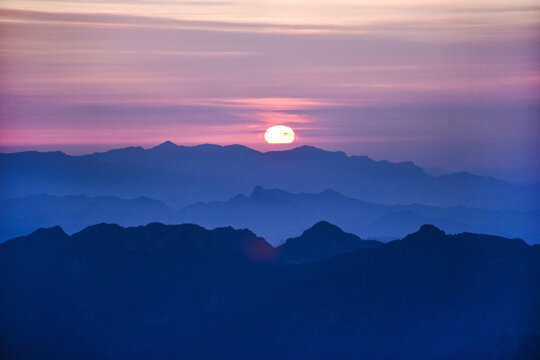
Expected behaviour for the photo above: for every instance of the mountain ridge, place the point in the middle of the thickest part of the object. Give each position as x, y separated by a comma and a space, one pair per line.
175, 292
320, 241
272, 213
213, 172
276, 213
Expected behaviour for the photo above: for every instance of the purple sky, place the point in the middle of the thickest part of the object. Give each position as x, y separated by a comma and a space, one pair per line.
451, 84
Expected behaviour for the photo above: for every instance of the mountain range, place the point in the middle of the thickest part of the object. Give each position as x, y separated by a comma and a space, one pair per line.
273, 214
277, 215
312, 254
181, 175
181, 291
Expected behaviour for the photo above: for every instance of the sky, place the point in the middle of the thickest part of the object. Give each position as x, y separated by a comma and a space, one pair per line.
446, 84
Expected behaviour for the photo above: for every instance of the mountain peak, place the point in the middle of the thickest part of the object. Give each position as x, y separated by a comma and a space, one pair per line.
430, 230
325, 227
166, 145
307, 148
55, 231
101, 228
426, 232
240, 148
321, 241
325, 231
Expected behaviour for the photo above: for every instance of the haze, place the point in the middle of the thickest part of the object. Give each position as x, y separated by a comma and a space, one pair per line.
448, 84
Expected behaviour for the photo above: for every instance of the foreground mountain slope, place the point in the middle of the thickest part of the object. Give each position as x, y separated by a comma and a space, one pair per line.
119, 292
429, 296
186, 292
180, 175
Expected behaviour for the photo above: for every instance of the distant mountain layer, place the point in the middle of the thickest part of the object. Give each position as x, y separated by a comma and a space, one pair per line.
73, 213
182, 291
275, 215
179, 175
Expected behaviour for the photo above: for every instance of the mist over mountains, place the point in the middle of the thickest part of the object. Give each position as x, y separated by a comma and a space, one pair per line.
22, 216
273, 214
186, 292
303, 259
278, 215
180, 175
265, 247
275, 194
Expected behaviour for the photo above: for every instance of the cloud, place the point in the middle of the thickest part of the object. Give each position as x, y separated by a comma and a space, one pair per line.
476, 21
407, 76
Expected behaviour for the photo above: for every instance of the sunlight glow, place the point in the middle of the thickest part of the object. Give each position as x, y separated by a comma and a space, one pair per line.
279, 134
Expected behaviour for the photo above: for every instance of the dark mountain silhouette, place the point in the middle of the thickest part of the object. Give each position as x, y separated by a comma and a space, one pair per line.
180, 175
428, 296
274, 214
180, 291
247, 243
321, 241
109, 291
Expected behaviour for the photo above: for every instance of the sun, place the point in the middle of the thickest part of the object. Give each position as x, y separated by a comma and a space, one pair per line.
279, 134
